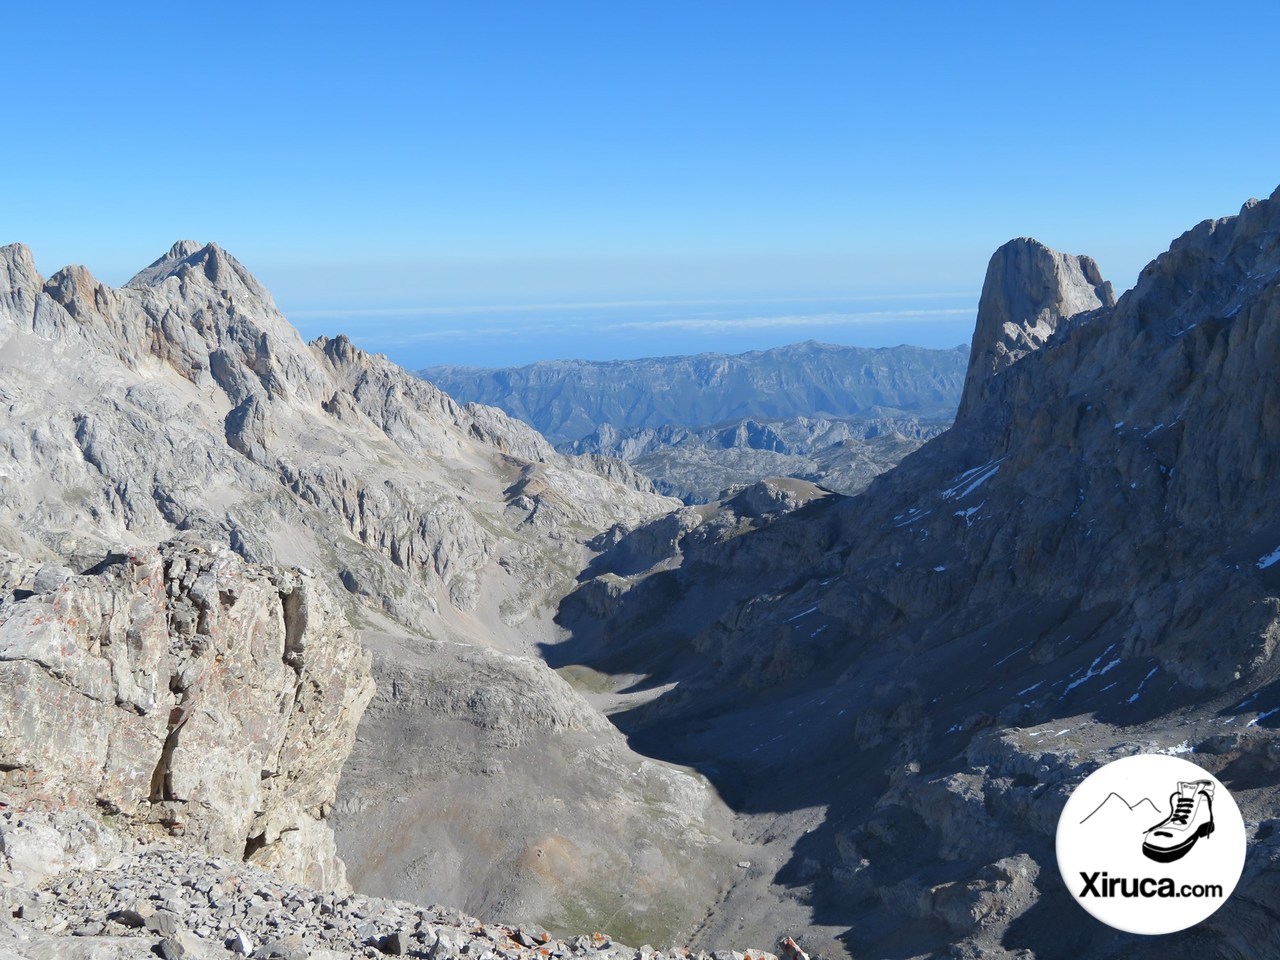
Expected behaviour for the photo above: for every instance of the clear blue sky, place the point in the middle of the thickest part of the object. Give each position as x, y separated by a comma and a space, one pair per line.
379, 165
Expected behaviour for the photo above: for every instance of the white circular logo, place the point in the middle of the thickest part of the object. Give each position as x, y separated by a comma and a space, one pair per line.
1151, 844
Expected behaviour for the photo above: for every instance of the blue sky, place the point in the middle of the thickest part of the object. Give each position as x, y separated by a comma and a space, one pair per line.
400, 171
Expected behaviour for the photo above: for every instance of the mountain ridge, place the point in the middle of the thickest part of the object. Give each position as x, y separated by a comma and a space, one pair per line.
182, 413
567, 399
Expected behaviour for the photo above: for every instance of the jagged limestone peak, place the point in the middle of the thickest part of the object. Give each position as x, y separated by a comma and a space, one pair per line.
20, 282
1028, 291
210, 263
165, 266
18, 257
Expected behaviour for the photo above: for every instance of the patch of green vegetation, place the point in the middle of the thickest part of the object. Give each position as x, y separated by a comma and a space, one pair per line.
587, 679
664, 922
515, 608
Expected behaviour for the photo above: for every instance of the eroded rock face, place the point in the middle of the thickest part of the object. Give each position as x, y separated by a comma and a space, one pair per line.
185, 694
894, 692
1029, 291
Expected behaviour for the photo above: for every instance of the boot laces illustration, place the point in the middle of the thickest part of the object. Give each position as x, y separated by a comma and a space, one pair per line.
1190, 818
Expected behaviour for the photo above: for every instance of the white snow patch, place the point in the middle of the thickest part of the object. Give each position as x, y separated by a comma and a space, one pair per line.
1038, 683
1093, 670
1011, 655
971, 480
1183, 747
1142, 684
911, 516
1119, 424
1270, 559
1262, 716
939, 569
799, 615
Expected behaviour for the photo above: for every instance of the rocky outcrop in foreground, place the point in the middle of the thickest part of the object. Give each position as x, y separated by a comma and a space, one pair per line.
113, 898
184, 694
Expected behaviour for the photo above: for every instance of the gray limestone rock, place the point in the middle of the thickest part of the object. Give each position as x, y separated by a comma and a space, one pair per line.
163, 923
1029, 291
173, 729
184, 945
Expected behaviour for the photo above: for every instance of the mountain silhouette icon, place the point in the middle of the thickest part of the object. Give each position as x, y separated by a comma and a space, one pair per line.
1117, 807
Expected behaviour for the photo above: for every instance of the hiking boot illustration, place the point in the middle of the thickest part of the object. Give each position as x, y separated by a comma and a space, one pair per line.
1190, 818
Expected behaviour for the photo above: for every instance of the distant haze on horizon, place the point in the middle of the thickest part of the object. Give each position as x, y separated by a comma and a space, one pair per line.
503, 335
497, 182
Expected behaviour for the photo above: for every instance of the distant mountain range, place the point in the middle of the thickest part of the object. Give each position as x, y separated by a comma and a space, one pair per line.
567, 400
697, 425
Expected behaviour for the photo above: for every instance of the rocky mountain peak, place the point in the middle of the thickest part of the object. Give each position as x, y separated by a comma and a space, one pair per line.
77, 290
1028, 291
340, 351
17, 258
166, 265
20, 282
208, 264
1208, 271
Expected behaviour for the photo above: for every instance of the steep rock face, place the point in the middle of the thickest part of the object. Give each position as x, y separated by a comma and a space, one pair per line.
1083, 567
1028, 292
188, 695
